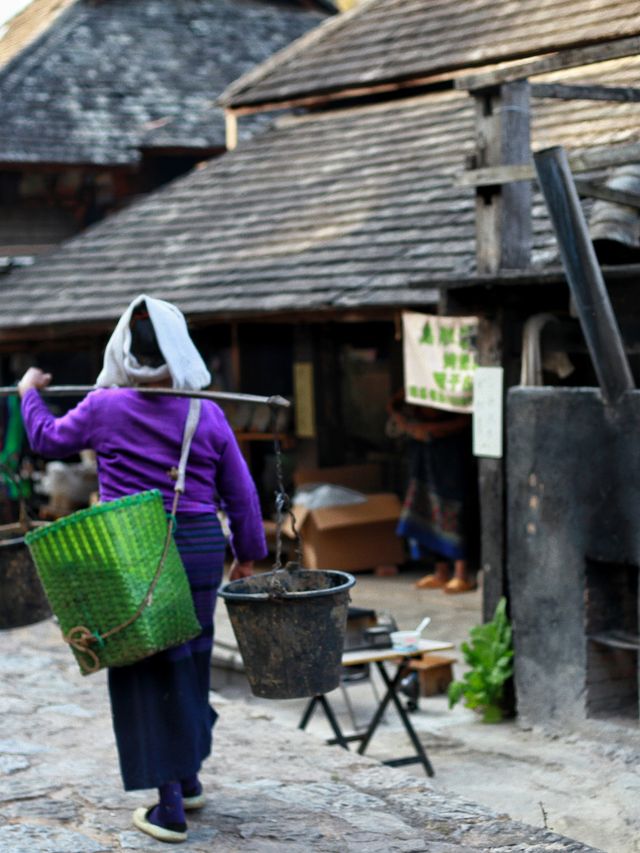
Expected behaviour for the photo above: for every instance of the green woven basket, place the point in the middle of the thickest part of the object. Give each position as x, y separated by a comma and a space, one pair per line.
96, 567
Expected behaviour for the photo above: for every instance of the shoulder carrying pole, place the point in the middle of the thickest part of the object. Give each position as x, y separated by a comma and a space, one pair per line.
81, 390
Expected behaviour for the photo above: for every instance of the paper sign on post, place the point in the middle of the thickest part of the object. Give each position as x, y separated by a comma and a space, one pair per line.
487, 412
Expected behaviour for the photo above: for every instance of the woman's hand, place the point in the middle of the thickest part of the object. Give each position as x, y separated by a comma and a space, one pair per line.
240, 570
33, 378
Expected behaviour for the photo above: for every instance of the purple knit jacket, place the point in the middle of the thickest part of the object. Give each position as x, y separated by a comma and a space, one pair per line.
138, 439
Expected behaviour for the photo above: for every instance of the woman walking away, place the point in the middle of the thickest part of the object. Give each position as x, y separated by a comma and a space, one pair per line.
160, 706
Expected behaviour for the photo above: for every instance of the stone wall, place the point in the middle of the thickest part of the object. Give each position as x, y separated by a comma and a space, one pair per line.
573, 499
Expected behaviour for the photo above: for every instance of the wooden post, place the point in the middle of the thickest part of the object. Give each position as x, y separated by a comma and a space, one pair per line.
231, 129
492, 486
504, 237
503, 212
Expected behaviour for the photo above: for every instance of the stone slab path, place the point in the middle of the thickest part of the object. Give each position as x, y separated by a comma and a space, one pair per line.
272, 789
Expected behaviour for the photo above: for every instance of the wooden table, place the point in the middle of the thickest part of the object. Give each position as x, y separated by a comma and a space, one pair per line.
379, 657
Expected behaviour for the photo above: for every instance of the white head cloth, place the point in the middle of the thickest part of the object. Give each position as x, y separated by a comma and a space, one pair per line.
184, 363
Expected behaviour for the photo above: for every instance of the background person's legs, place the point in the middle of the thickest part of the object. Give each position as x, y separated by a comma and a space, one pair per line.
438, 579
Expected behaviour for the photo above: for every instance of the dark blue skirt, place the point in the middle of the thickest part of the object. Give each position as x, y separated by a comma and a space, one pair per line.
160, 706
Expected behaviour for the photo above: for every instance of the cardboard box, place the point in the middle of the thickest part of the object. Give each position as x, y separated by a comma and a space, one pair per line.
351, 538
435, 673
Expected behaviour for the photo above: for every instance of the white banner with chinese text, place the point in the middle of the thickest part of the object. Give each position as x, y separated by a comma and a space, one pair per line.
439, 360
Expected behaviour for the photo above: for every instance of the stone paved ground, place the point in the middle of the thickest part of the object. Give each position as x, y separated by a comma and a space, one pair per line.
582, 782
272, 789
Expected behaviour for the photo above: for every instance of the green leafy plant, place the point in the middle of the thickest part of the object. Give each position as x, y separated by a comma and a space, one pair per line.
490, 656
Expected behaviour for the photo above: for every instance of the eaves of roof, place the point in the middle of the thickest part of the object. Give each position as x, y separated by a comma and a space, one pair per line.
385, 43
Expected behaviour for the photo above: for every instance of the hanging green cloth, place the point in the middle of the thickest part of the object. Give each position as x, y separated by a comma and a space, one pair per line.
11, 453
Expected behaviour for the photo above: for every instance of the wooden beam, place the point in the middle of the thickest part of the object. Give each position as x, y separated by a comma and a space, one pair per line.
591, 189
410, 86
570, 58
586, 161
586, 93
494, 176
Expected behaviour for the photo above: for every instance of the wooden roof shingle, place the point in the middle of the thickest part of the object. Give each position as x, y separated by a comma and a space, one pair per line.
390, 41
90, 87
345, 209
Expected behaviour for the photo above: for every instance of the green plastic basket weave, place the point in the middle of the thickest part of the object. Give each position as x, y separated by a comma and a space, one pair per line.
96, 567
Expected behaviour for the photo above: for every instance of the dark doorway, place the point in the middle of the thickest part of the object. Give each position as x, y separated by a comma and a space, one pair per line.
611, 610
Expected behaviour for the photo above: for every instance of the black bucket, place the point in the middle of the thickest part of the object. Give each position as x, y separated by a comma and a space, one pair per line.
290, 627
22, 598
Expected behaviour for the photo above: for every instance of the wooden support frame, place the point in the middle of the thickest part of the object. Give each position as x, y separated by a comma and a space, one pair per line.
591, 189
571, 92
503, 241
586, 161
503, 164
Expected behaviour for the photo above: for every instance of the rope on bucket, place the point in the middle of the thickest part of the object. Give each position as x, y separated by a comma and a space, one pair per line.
283, 508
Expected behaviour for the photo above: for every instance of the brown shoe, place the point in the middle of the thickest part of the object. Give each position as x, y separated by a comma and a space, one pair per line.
456, 585
431, 582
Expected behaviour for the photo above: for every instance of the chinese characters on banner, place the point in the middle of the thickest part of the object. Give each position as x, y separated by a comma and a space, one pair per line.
439, 360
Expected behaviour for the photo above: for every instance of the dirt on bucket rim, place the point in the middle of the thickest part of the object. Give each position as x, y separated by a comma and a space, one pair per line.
288, 583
